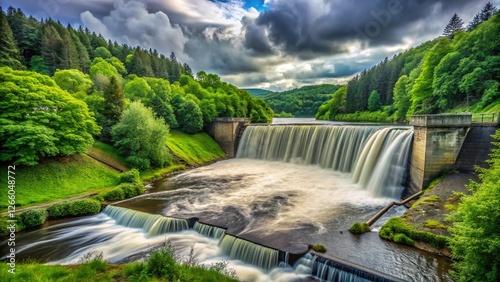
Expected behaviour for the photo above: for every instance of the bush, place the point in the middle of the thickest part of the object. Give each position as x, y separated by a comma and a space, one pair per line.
114, 195
131, 190
359, 228
34, 217
161, 264
131, 176
59, 210
84, 207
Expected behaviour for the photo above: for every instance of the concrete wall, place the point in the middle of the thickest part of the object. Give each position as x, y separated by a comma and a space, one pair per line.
437, 141
225, 131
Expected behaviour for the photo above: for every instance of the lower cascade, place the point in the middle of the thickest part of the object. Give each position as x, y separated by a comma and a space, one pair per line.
152, 224
249, 252
376, 157
208, 230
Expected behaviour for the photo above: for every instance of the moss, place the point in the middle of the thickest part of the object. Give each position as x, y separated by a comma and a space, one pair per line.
396, 225
429, 200
403, 239
359, 228
433, 224
319, 248
436, 180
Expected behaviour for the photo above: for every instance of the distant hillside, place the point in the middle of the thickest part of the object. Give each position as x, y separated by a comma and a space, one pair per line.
301, 102
257, 91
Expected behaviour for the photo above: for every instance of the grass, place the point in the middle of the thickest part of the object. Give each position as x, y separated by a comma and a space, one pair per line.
58, 179
194, 149
108, 154
160, 266
159, 173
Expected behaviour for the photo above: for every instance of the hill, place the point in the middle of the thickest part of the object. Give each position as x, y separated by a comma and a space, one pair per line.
257, 91
459, 72
301, 102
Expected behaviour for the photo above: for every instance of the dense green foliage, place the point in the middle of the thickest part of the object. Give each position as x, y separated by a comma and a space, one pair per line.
84, 207
258, 91
476, 237
33, 217
194, 149
39, 120
131, 176
160, 266
456, 71
58, 179
141, 137
93, 83
301, 102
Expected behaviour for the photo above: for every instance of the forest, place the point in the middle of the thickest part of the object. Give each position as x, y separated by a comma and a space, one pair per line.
61, 88
300, 102
459, 71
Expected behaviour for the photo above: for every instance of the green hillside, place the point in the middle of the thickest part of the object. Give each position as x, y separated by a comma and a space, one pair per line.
455, 73
300, 102
257, 91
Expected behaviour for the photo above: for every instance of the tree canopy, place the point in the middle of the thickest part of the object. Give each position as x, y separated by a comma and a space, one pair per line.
38, 119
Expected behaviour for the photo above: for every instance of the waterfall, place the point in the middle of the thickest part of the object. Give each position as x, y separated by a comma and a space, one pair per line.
209, 231
376, 157
249, 252
332, 271
152, 224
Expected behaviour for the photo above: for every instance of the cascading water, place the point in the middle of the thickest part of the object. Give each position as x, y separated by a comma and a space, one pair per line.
237, 248
208, 230
152, 224
376, 157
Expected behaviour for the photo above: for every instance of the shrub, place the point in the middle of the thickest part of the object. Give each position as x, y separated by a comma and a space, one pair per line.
162, 264
115, 194
84, 207
131, 190
34, 217
59, 210
131, 176
318, 248
359, 228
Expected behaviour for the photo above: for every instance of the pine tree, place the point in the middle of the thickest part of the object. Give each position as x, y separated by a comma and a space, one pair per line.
455, 24
487, 12
51, 41
114, 105
9, 54
475, 22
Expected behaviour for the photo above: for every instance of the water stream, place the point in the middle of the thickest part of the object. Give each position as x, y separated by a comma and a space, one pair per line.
290, 186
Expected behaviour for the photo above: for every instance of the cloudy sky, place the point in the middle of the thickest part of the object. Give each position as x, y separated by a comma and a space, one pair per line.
271, 44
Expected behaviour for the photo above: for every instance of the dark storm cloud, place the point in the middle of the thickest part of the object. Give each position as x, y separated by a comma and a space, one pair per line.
256, 38
304, 29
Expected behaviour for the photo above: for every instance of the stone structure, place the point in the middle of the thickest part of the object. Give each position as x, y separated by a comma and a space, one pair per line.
437, 141
226, 132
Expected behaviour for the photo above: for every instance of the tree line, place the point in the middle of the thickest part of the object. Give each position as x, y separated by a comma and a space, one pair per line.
459, 69
62, 87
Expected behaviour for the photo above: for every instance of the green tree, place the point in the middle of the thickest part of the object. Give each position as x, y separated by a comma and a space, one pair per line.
455, 24
102, 52
141, 138
164, 110
9, 53
38, 65
401, 98
188, 114
475, 243
374, 103
338, 102
113, 107
39, 120
139, 90
74, 81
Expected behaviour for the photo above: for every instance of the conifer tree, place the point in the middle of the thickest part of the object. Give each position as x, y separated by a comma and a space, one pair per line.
487, 12
114, 104
9, 54
455, 24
